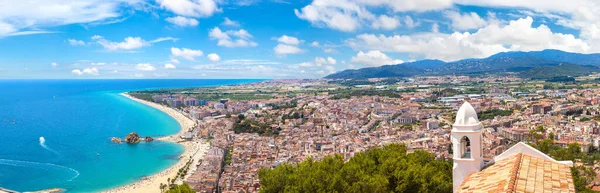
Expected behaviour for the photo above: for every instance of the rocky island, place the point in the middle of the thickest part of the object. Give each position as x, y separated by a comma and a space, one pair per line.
132, 138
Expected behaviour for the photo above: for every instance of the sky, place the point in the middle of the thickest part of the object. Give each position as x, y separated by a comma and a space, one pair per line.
130, 39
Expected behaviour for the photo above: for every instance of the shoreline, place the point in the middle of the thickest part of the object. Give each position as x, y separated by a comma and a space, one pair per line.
152, 183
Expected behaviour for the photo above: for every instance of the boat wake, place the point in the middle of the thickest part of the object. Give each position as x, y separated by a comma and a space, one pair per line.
43, 144
30, 164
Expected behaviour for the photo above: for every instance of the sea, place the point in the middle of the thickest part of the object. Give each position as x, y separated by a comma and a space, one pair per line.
56, 133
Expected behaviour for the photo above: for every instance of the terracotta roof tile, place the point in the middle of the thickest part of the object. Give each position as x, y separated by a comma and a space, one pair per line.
520, 173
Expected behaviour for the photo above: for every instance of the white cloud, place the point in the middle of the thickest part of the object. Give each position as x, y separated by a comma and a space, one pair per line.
305, 64
174, 61
129, 43
24, 18
190, 8
162, 39
225, 38
96, 37
54, 64
410, 5
249, 62
330, 60
465, 21
518, 35
88, 71
314, 44
331, 69
228, 22
386, 22
186, 53
213, 57
319, 61
410, 23
284, 49
288, 40
145, 67
329, 50
373, 58
350, 15
74, 42
170, 66
435, 28
182, 21
340, 15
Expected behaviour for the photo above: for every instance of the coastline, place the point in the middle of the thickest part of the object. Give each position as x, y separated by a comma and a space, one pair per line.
194, 149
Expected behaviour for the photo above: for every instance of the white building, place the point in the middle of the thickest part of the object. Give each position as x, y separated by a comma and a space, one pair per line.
521, 168
466, 143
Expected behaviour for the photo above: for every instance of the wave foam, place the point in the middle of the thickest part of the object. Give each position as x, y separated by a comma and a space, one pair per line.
19, 163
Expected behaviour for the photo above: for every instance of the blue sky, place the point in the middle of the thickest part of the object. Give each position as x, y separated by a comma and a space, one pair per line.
275, 38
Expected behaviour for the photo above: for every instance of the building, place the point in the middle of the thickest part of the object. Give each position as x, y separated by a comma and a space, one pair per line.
520, 168
190, 102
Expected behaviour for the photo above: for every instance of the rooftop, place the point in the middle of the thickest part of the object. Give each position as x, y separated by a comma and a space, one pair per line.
521, 173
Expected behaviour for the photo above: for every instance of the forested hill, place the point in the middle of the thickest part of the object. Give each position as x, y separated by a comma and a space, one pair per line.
386, 169
519, 62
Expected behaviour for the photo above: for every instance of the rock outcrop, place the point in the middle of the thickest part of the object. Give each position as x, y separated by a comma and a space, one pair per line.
148, 139
116, 140
132, 137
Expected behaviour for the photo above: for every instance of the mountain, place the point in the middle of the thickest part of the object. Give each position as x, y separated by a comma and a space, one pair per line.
554, 62
568, 57
547, 72
378, 72
493, 64
426, 64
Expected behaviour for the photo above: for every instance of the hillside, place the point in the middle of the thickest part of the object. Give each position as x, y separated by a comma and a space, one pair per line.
547, 61
547, 72
378, 72
493, 64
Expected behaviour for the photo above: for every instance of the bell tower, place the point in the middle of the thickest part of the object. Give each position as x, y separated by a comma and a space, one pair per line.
466, 144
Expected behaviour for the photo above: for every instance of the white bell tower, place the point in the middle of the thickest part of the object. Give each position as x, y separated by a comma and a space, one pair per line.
466, 144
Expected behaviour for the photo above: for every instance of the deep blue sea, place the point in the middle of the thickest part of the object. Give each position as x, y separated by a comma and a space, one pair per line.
56, 133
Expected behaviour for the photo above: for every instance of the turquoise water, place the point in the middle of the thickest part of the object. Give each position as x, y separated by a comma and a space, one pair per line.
56, 133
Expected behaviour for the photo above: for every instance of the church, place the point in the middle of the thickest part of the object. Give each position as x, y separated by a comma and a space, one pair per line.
521, 168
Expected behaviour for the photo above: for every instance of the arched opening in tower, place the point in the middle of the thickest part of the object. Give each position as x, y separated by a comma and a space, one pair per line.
465, 146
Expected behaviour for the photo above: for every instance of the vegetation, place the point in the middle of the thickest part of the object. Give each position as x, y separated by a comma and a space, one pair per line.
582, 175
574, 112
558, 73
286, 105
183, 188
490, 114
447, 92
346, 94
348, 82
228, 154
401, 70
375, 125
385, 169
251, 126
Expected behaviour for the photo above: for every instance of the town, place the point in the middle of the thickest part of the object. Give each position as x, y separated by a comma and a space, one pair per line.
261, 125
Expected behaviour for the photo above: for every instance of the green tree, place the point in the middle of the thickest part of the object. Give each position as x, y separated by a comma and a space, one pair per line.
183, 188
386, 169
241, 116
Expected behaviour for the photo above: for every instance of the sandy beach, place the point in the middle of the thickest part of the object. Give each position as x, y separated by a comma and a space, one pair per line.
195, 149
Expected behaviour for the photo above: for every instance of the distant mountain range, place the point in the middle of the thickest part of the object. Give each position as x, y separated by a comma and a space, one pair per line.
535, 64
